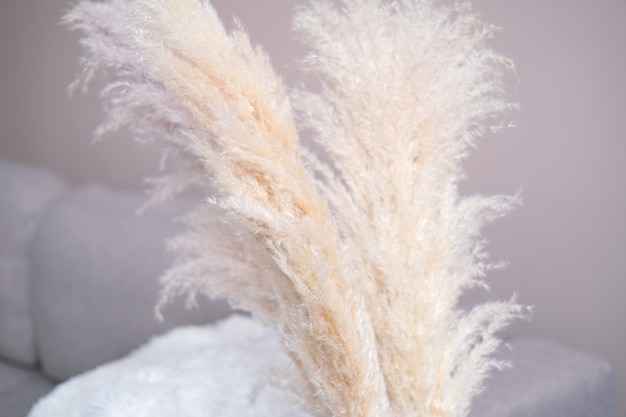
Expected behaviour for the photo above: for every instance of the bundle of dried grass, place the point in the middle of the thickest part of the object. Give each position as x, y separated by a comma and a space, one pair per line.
357, 263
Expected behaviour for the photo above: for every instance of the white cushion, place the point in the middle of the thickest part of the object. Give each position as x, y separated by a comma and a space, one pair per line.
189, 372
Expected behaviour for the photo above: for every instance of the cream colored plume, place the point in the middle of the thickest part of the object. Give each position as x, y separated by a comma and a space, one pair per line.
357, 263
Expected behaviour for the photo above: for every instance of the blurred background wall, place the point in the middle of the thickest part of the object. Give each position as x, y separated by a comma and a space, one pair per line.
566, 244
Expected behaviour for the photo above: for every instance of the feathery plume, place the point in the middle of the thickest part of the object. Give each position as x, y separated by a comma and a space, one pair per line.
357, 263
403, 96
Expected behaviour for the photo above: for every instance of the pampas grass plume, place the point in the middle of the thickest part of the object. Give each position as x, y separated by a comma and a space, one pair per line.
357, 261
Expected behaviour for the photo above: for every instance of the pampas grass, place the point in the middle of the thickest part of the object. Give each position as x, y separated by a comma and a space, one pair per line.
358, 262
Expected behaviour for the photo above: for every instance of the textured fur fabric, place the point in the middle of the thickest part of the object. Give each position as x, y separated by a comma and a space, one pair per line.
231, 369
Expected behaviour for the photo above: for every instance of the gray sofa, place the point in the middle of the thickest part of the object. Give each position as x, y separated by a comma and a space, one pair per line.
78, 283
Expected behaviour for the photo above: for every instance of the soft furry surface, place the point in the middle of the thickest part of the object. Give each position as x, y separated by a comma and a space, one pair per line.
232, 369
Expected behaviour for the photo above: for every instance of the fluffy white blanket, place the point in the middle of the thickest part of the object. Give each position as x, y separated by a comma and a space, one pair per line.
219, 370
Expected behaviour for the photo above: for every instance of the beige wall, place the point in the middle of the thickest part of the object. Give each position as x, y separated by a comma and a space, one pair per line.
567, 244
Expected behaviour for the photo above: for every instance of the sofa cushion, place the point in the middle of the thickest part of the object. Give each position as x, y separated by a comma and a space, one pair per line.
96, 266
26, 192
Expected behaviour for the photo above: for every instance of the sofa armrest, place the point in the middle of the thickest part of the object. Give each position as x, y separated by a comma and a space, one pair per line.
547, 379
